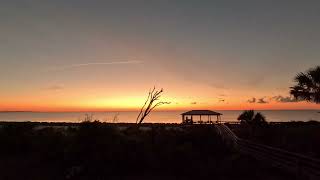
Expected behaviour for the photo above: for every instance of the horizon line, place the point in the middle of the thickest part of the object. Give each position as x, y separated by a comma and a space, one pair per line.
92, 111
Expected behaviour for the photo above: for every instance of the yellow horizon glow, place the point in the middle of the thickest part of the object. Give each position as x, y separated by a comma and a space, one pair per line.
134, 104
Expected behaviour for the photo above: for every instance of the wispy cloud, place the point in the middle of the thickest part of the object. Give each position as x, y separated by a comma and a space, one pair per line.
219, 86
61, 68
54, 88
284, 99
279, 99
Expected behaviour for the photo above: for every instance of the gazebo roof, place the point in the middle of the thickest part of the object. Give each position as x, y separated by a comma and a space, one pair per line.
201, 112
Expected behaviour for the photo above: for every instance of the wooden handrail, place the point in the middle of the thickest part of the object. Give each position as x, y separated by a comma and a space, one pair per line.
291, 161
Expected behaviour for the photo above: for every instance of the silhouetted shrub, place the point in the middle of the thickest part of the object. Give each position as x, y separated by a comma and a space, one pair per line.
95, 150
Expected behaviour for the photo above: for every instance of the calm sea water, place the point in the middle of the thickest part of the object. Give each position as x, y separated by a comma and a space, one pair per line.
155, 117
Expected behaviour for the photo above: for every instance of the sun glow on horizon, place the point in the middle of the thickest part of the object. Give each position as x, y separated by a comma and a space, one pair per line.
135, 103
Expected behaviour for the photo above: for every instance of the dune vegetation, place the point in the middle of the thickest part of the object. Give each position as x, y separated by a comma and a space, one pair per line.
94, 150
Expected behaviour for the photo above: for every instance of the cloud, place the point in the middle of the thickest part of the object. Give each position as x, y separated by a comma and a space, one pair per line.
221, 100
284, 99
262, 101
193, 103
279, 98
219, 86
257, 100
253, 100
61, 68
55, 88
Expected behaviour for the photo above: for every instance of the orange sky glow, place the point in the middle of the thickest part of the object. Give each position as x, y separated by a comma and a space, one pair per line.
103, 56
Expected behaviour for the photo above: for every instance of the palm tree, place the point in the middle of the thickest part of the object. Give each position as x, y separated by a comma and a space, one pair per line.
308, 86
252, 118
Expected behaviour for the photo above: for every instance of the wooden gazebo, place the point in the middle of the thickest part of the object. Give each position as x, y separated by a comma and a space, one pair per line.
187, 117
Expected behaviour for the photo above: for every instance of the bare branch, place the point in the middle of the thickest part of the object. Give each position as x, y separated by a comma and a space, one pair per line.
154, 95
158, 104
141, 110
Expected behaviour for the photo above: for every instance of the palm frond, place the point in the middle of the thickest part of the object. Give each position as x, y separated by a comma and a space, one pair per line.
314, 74
308, 86
259, 118
246, 116
303, 80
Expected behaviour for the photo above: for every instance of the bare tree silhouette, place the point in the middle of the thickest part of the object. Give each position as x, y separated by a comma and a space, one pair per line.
149, 105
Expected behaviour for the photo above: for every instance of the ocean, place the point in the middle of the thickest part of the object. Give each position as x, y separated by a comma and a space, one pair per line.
154, 117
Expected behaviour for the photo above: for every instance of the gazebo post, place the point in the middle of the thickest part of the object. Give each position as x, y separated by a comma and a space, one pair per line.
218, 118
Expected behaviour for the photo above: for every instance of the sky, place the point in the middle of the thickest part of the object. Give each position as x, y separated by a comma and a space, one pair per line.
105, 55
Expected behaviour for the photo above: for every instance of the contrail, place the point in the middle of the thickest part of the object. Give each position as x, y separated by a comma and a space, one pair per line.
93, 64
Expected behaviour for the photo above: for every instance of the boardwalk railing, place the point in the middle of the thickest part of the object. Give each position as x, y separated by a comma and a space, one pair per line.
293, 162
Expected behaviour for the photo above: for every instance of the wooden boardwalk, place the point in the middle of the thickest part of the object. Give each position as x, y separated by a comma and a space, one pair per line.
299, 164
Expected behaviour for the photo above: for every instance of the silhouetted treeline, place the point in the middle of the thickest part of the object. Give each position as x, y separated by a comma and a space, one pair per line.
94, 150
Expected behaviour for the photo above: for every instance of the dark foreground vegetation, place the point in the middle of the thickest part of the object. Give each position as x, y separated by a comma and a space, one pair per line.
299, 137
94, 150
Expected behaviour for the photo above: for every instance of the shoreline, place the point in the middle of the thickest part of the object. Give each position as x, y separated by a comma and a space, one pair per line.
144, 124
172, 110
